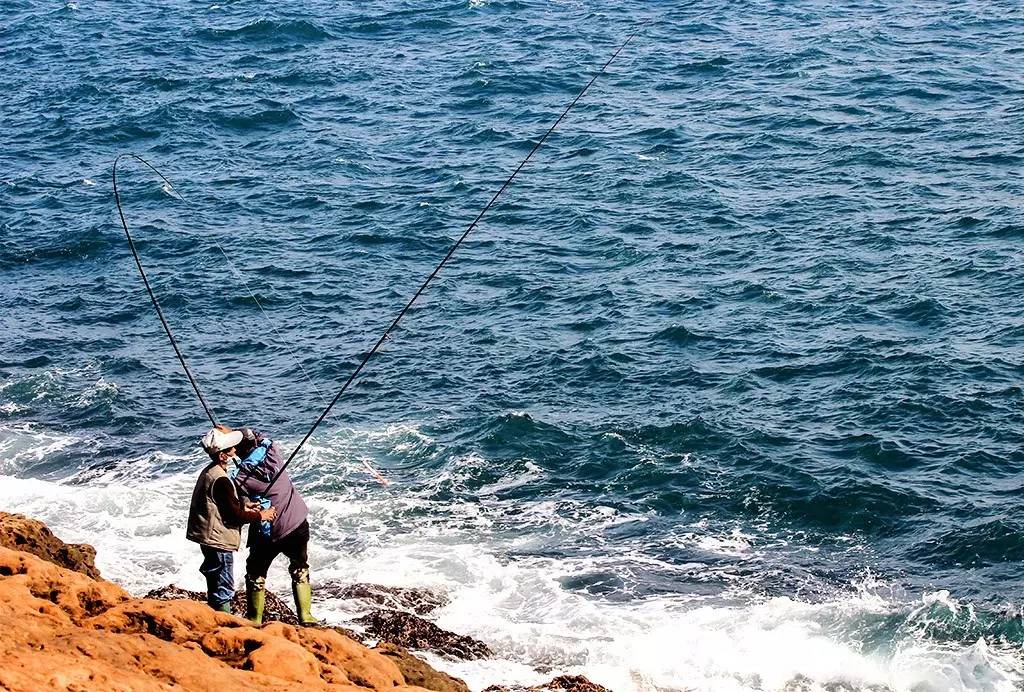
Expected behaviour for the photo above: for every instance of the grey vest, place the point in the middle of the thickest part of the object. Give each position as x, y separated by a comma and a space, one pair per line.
206, 525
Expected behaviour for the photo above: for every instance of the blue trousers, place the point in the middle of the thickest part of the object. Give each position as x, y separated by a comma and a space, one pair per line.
219, 569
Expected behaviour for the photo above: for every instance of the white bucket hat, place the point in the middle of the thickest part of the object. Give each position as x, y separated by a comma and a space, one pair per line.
216, 441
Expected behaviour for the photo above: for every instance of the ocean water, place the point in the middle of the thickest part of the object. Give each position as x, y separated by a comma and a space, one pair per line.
725, 394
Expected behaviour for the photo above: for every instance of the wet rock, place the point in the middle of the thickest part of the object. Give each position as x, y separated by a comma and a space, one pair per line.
418, 673
563, 683
802, 683
276, 608
417, 600
413, 632
573, 683
342, 630
18, 532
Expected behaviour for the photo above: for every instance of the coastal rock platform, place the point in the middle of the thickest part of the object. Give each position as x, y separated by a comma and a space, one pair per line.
65, 628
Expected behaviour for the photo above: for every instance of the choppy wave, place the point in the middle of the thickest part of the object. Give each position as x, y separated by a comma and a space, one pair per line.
268, 30
542, 612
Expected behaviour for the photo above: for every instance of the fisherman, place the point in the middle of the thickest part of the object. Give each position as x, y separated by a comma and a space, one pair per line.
216, 516
261, 463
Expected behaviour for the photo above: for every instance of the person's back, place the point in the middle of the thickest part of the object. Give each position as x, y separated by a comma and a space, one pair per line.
253, 480
288, 534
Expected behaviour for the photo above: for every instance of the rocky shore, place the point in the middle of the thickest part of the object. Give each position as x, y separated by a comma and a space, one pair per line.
66, 628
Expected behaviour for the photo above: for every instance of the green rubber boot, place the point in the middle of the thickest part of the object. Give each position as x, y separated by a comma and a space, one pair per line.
303, 594
255, 599
224, 607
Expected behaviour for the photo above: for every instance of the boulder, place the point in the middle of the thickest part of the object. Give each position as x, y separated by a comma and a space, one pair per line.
417, 600
418, 672
413, 632
18, 532
563, 683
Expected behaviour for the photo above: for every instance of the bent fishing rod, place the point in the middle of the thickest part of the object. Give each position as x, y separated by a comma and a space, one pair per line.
169, 188
444, 261
149, 288
174, 343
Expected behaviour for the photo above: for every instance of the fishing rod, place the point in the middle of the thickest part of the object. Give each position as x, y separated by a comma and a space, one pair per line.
168, 187
181, 358
444, 261
149, 288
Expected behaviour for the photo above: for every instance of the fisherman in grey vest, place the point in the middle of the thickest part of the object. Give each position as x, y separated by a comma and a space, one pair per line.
216, 516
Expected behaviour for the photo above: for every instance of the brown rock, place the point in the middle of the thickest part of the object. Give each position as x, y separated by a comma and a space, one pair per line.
417, 600
563, 683
418, 672
573, 683
413, 632
18, 532
64, 630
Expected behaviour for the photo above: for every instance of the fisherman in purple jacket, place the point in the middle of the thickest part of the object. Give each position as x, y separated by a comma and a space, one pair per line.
288, 533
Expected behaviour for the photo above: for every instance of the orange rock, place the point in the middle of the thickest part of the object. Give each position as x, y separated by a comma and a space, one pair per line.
19, 532
64, 630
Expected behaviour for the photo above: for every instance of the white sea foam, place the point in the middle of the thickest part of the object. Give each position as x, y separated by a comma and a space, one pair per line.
734, 544
135, 513
77, 387
23, 442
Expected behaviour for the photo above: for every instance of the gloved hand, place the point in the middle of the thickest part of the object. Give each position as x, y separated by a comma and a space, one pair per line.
265, 524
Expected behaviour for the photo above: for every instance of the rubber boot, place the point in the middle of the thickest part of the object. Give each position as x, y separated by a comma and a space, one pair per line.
224, 607
255, 599
303, 594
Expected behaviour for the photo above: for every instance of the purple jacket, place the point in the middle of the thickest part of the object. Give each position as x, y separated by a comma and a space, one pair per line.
291, 509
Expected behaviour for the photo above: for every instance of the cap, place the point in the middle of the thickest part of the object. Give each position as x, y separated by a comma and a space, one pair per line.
217, 441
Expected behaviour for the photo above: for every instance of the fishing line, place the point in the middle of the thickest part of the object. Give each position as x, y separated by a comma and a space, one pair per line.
149, 289
181, 358
231, 265
444, 261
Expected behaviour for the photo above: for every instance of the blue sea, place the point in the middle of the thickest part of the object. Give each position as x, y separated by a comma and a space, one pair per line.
725, 392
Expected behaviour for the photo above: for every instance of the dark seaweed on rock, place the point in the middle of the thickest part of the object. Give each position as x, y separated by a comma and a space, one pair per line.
417, 600
413, 632
563, 683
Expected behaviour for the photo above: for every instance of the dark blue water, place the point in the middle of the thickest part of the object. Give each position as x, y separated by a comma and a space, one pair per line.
725, 393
